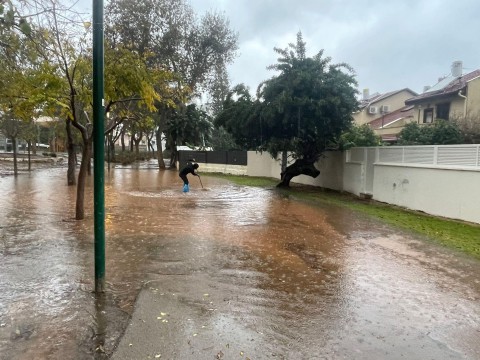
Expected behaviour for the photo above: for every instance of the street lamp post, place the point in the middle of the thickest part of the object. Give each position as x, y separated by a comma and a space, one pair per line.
98, 146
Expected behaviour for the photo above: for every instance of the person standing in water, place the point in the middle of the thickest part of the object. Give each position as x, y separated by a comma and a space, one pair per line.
191, 168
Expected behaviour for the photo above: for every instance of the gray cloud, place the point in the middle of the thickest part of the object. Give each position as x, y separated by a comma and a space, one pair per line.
390, 44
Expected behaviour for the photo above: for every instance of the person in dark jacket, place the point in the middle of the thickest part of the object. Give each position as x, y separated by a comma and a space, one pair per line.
191, 168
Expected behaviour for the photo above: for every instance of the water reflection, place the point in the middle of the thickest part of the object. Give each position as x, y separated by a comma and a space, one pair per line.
301, 278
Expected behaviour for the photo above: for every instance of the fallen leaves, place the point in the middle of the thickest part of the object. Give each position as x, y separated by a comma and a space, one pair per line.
161, 317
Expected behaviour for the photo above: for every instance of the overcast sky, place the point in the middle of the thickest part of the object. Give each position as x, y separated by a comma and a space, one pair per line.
391, 44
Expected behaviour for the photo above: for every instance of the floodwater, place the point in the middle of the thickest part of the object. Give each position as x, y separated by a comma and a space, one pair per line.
307, 282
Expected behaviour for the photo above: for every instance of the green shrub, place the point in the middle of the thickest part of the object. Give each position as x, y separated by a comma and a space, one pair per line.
51, 154
128, 157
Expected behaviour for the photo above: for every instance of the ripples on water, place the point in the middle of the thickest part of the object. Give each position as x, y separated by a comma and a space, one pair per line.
301, 278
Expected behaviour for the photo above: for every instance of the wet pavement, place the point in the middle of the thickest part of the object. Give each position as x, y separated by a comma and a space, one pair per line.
223, 272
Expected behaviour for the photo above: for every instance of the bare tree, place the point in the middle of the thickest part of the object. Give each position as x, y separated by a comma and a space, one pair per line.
469, 125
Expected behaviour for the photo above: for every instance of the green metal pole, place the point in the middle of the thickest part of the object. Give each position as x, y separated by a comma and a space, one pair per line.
98, 146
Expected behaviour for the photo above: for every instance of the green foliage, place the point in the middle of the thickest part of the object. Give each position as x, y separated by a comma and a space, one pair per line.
193, 51
240, 119
441, 132
302, 110
128, 157
11, 19
198, 50
189, 124
246, 180
362, 135
49, 154
222, 140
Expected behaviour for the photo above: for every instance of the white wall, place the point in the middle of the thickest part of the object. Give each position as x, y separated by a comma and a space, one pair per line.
330, 166
354, 178
262, 164
444, 192
331, 172
223, 169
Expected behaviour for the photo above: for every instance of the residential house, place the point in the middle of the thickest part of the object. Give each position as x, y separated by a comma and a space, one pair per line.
455, 96
375, 106
385, 113
389, 125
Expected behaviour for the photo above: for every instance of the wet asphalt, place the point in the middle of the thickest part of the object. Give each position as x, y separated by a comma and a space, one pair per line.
224, 272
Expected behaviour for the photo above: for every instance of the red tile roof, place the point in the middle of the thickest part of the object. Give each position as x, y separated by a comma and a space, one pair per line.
452, 87
387, 119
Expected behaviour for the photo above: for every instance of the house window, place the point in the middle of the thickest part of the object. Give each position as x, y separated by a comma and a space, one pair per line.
428, 116
443, 110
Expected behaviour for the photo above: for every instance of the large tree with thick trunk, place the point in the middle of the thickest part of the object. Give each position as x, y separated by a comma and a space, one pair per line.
298, 113
305, 108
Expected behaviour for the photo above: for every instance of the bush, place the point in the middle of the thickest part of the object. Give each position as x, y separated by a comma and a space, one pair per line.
128, 157
51, 154
361, 135
441, 132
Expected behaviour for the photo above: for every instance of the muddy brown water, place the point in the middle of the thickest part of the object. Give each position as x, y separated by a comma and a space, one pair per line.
308, 282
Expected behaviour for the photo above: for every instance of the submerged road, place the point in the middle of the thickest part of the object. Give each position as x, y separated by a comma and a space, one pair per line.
223, 272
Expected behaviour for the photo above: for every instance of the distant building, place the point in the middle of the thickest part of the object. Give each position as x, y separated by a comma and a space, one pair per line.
385, 113
389, 125
454, 96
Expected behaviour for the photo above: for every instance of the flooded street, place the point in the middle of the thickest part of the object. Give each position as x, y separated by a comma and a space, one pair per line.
267, 276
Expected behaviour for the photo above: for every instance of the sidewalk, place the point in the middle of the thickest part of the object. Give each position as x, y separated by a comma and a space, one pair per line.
183, 321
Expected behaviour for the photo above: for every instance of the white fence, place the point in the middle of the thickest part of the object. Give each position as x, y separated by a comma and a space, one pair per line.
441, 180
436, 155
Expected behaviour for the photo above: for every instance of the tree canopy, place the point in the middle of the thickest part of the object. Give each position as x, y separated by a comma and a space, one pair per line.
238, 118
172, 37
309, 104
303, 110
197, 49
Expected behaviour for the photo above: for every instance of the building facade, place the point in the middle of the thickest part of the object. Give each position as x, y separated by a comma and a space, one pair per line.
454, 97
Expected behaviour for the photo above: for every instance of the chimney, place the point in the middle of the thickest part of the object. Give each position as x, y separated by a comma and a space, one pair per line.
426, 88
366, 94
457, 68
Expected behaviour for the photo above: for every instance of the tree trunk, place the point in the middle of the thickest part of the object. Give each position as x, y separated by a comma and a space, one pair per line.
284, 160
161, 161
14, 149
29, 156
89, 167
111, 145
299, 167
137, 148
72, 161
82, 178
122, 140
172, 144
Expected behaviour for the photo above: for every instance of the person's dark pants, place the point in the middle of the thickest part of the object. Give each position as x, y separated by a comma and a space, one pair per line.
184, 178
